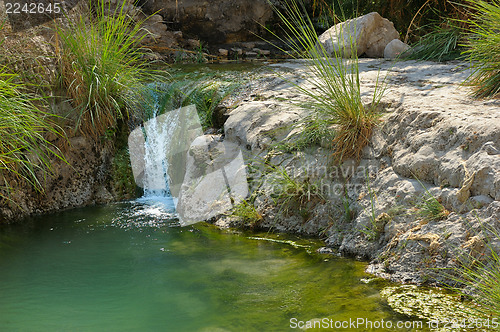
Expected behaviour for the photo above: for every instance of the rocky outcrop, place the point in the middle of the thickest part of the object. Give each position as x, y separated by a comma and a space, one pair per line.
84, 179
434, 141
368, 34
80, 181
226, 21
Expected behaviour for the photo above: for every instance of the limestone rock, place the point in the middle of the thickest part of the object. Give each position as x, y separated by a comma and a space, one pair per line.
215, 179
369, 34
395, 48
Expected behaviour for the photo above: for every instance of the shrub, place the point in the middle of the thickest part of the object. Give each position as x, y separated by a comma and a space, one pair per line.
336, 91
25, 152
205, 92
415, 17
441, 44
102, 67
484, 48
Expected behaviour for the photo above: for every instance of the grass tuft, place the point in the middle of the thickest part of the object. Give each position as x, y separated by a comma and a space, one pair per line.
441, 44
483, 42
477, 275
334, 86
248, 213
291, 192
102, 67
25, 152
430, 209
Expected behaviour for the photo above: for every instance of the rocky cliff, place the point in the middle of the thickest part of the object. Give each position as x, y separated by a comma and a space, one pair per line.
225, 21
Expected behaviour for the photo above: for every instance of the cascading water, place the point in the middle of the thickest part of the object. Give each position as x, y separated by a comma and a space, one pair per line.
158, 137
200, 176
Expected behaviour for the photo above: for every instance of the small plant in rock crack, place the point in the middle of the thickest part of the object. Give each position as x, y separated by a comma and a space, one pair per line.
349, 213
371, 231
248, 213
430, 208
292, 192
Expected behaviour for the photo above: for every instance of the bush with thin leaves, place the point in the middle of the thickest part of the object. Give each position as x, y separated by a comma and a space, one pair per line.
334, 85
25, 152
484, 48
205, 92
477, 274
441, 44
102, 67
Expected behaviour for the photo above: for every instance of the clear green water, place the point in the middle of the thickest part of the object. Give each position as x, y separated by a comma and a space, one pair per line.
127, 267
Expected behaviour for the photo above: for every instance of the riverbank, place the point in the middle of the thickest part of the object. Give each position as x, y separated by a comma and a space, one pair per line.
435, 144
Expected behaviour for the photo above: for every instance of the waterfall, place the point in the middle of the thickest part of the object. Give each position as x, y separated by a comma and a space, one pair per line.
158, 152
158, 135
200, 176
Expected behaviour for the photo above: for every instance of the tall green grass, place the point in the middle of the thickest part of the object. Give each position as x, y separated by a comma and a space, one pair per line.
25, 152
478, 273
334, 86
441, 44
484, 48
207, 93
102, 67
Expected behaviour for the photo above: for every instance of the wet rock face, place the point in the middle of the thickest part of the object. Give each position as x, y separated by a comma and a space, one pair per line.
215, 22
82, 181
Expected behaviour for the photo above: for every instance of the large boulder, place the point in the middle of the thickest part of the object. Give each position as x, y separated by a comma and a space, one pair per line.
223, 21
215, 179
368, 34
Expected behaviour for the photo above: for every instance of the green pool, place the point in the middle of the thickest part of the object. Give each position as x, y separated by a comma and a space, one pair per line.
130, 267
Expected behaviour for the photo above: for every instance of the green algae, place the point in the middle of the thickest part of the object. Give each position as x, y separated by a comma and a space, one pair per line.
440, 308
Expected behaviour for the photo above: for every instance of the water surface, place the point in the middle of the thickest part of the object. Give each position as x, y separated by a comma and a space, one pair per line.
130, 267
